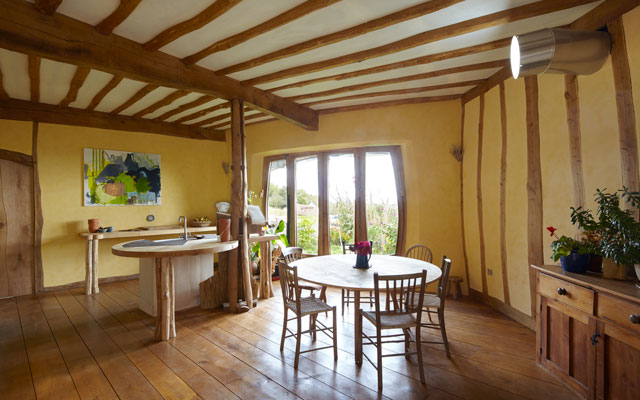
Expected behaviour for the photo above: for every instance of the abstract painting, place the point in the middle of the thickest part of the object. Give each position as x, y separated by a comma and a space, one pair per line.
119, 178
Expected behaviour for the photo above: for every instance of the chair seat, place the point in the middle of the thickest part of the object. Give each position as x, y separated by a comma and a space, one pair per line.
430, 300
391, 321
309, 305
310, 287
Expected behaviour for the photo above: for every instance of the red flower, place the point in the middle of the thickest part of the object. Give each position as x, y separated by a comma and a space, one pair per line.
551, 229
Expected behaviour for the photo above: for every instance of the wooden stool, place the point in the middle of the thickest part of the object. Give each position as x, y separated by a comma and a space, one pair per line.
454, 288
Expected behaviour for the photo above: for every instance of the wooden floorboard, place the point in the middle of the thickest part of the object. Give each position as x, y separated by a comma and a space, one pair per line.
69, 345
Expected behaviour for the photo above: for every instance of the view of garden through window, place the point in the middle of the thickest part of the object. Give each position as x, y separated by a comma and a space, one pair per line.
381, 201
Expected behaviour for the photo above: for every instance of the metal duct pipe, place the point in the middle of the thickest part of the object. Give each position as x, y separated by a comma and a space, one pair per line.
559, 51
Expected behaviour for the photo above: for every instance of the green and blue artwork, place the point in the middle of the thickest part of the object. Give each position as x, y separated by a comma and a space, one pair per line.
120, 178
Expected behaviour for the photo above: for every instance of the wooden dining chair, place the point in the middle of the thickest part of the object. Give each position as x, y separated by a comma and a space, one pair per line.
434, 304
302, 307
347, 297
291, 254
419, 252
407, 295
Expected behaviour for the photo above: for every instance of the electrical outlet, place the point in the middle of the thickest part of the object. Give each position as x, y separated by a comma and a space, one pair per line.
490, 272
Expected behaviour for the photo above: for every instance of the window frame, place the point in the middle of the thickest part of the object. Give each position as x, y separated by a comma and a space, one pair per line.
360, 220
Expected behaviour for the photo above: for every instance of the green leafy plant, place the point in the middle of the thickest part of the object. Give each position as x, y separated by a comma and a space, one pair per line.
564, 245
281, 241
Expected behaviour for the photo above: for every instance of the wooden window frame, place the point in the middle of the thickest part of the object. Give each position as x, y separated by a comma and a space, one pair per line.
360, 221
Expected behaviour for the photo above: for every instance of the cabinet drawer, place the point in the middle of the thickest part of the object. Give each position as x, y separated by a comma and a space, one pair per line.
566, 292
619, 311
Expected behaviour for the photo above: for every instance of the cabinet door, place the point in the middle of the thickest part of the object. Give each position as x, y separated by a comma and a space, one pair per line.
565, 345
618, 363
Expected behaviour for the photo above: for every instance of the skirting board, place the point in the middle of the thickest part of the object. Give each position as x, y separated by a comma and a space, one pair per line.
518, 316
78, 284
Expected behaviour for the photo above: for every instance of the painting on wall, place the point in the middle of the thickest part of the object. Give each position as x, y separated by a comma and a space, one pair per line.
119, 178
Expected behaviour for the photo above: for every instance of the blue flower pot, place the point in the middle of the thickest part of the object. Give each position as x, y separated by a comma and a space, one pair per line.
575, 262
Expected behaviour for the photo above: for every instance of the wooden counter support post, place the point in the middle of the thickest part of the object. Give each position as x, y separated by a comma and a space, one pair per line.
94, 272
266, 289
88, 276
165, 322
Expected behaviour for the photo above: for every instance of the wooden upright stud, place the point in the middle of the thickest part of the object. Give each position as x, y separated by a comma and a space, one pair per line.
38, 284
575, 139
503, 196
483, 264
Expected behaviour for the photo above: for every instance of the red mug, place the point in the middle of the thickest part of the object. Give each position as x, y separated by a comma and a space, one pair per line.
224, 229
94, 224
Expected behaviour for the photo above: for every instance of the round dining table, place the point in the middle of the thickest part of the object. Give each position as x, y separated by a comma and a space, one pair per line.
337, 271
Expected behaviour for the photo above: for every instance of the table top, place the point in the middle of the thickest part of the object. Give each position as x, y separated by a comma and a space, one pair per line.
191, 248
168, 230
337, 270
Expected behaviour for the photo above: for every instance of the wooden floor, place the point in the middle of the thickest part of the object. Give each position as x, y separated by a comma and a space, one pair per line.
67, 345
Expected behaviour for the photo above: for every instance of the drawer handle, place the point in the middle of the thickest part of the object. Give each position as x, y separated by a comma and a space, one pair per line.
634, 318
562, 291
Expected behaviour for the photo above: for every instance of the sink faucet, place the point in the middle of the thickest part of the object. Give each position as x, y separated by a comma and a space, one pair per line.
183, 219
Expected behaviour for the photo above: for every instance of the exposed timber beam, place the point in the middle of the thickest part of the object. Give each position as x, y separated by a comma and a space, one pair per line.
247, 118
76, 83
416, 100
203, 18
3, 93
34, 77
161, 103
103, 92
185, 107
23, 29
125, 8
202, 113
432, 74
301, 10
399, 91
446, 55
21, 110
460, 28
500, 76
47, 7
349, 33
135, 98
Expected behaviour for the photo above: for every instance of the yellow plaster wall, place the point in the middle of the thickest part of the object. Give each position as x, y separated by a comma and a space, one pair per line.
425, 132
192, 182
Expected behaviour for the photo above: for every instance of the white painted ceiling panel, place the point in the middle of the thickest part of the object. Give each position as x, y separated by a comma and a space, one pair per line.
246, 114
94, 83
15, 74
440, 80
334, 18
152, 97
176, 103
210, 115
431, 93
482, 36
154, 16
196, 109
121, 93
243, 16
89, 11
55, 79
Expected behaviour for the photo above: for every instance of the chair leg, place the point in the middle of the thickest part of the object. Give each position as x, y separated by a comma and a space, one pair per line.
444, 332
312, 326
323, 297
419, 351
407, 339
359, 339
370, 298
298, 340
379, 351
284, 329
343, 302
335, 335
429, 315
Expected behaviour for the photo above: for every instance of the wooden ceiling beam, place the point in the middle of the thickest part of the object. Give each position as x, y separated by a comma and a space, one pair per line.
203, 18
185, 107
210, 120
246, 118
47, 7
103, 92
76, 83
399, 91
415, 100
60, 38
460, 28
500, 76
135, 98
403, 64
349, 33
426, 75
202, 113
34, 77
3, 93
21, 110
606, 12
301, 10
161, 103
125, 8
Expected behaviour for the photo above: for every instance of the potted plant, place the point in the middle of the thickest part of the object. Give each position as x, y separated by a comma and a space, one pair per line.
573, 254
363, 254
617, 229
276, 244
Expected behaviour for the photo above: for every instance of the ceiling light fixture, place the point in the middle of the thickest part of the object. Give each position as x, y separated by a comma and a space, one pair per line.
559, 51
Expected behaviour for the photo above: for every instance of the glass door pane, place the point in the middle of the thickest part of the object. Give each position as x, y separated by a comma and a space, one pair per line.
307, 204
342, 195
382, 203
277, 193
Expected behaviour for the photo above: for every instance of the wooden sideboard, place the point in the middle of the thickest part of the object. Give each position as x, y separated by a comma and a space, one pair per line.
588, 332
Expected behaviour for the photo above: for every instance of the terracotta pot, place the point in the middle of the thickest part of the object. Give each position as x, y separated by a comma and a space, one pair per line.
94, 224
224, 229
